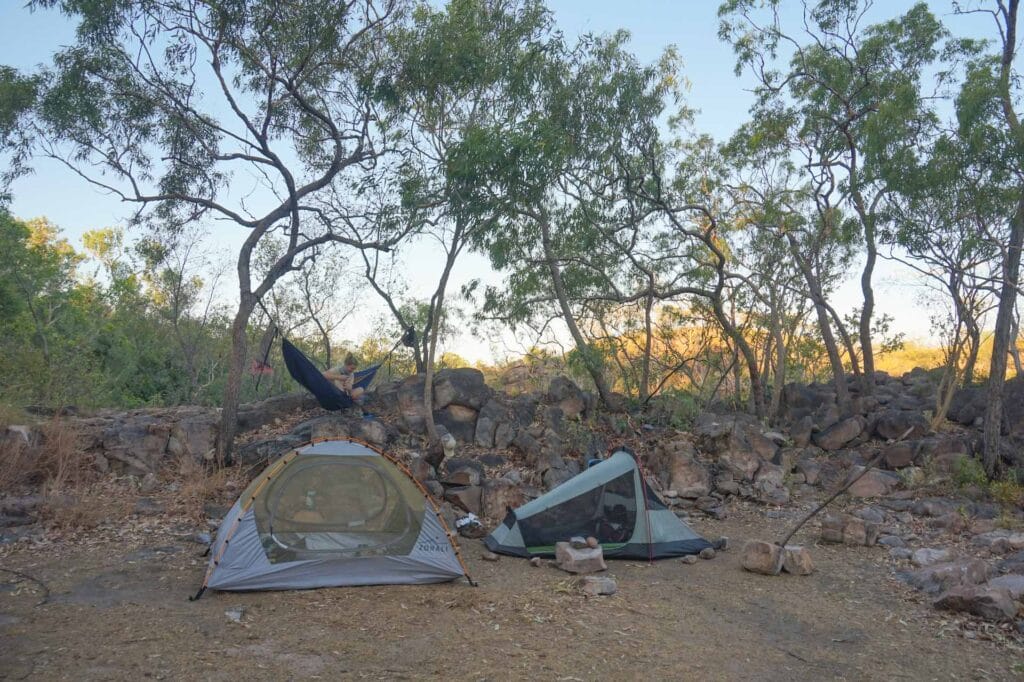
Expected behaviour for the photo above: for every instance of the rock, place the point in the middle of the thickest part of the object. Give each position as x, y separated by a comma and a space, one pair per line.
707, 553
893, 424
467, 498
421, 469
848, 530
597, 585
462, 386
147, 506
592, 542
999, 541
499, 497
1013, 583
462, 472
870, 514
262, 452
587, 560
761, 557
689, 559
235, 614
892, 541
932, 507
567, 396
459, 420
900, 455
796, 560
489, 556
939, 577
840, 434
930, 557
991, 603
149, 483
536, 562
373, 432
874, 483
810, 469
735, 441
687, 476
801, 432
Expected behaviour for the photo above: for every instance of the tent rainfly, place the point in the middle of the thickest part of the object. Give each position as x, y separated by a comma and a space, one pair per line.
609, 501
328, 514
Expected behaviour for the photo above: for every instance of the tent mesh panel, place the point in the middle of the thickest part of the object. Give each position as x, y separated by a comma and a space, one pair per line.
607, 512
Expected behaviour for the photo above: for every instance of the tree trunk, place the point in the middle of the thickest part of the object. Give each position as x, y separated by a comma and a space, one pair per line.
1001, 341
582, 346
820, 307
866, 313
780, 370
233, 387
434, 316
645, 367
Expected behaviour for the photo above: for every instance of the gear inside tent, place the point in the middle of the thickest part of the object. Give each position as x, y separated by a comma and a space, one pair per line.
328, 514
609, 501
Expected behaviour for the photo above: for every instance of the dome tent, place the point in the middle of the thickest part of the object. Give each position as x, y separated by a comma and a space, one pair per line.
609, 501
328, 514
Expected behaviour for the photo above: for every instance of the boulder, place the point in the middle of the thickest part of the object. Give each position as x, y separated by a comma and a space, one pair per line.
467, 498
797, 560
893, 424
263, 451
462, 386
838, 435
584, 560
874, 483
985, 601
677, 468
409, 395
940, 577
1013, 583
929, 557
848, 530
462, 472
900, 455
499, 496
761, 557
459, 420
254, 415
736, 441
566, 396
801, 432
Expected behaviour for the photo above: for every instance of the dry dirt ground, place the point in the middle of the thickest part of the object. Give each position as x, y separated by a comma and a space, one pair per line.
118, 610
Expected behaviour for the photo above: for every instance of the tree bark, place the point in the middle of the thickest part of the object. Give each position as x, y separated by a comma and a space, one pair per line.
603, 390
866, 313
233, 387
1001, 341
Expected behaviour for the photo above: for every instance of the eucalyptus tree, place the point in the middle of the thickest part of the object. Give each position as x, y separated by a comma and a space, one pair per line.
849, 103
567, 233
466, 76
244, 112
988, 113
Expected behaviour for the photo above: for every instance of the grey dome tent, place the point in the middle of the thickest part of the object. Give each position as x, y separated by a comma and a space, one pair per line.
609, 501
328, 514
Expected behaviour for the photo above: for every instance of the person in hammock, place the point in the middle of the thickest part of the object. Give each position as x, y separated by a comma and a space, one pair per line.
343, 377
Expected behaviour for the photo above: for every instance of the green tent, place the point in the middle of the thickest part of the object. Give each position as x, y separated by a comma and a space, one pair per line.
609, 501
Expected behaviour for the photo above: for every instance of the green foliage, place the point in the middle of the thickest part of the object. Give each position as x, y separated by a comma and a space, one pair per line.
968, 471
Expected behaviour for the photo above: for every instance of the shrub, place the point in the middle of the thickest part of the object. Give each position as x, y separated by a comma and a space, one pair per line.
968, 471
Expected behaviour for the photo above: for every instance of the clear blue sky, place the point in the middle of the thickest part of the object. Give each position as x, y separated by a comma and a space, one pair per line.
722, 99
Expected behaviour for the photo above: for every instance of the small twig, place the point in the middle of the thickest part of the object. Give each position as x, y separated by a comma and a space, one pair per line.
37, 581
870, 465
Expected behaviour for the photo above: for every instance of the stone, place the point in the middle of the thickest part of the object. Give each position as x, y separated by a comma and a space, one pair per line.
572, 560
874, 483
796, 560
999, 541
536, 562
689, 559
462, 386
372, 431
761, 557
870, 514
1013, 583
147, 506
567, 396
235, 614
810, 469
461, 472
500, 496
149, 483
848, 530
489, 556
592, 542
900, 455
687, 476
467, 498
801, 432
894, 424
598, 585
892, 541
990, 603
459, 420
838, 435
939, 577
930, 557
263, 451
707, 553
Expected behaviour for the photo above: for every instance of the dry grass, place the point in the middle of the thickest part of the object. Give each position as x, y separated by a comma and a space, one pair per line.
191, 485
51, 459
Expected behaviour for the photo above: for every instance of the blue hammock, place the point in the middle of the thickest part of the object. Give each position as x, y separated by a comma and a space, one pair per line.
326, 393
